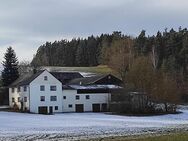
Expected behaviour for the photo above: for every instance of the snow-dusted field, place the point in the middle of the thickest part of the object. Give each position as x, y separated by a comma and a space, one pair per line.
21, 126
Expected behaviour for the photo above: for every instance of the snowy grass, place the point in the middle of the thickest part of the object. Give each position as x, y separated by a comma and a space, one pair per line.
75, 125
169, 137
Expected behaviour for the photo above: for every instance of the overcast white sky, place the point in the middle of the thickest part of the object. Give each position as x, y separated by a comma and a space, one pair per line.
26, 24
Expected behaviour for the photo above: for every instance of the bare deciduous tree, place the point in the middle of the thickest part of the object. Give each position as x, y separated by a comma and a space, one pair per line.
24, 67
121, 56
156, 84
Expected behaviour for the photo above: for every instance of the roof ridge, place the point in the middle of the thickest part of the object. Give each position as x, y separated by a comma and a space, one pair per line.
102, 76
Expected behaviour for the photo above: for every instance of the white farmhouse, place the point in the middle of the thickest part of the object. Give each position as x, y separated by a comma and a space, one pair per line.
50, 92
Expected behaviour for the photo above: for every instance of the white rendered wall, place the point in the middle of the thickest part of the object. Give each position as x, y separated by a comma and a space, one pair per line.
25, 94
14, 95
20, 94
35, 93
98, 98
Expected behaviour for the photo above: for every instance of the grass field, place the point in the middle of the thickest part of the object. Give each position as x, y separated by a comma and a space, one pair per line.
97, 69
170, 137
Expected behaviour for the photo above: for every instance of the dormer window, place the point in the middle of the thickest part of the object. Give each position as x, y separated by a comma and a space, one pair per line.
45, 78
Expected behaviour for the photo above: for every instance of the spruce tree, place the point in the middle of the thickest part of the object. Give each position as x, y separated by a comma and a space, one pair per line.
140, 44
10, 64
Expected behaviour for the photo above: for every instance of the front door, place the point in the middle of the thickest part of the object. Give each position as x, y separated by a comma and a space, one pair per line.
104, 107
51, 110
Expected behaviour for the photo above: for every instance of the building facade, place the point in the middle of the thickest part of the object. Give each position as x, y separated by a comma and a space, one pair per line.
48, 92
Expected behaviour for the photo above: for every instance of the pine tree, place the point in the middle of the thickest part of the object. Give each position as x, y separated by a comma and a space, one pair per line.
10, 72
140, 44
159, 44
81, 54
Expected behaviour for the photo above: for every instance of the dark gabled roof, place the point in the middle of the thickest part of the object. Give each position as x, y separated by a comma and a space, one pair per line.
26, 79
98, 79
65, 77
66, 87
85, 80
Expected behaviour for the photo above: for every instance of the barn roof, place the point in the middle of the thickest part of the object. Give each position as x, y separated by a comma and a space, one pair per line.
65, 77
108, 79
70, 80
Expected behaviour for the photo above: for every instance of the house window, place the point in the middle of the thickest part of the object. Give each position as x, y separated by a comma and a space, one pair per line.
42, 88
52, 88
70, 105
25, 88
64, 97
13, 99
56, 107
42, 98
87, 97
12, 90
25, 99
45, 78
77, 97
53, 98
19, 99
18, 90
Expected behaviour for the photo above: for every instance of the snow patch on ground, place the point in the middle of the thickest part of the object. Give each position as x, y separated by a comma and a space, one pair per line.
22, 126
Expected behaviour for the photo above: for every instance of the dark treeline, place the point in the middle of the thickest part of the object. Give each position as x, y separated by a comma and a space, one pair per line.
170, 47
77, 52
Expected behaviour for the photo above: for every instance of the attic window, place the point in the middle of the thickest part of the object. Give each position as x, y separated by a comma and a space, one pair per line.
109, 77
45, 78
